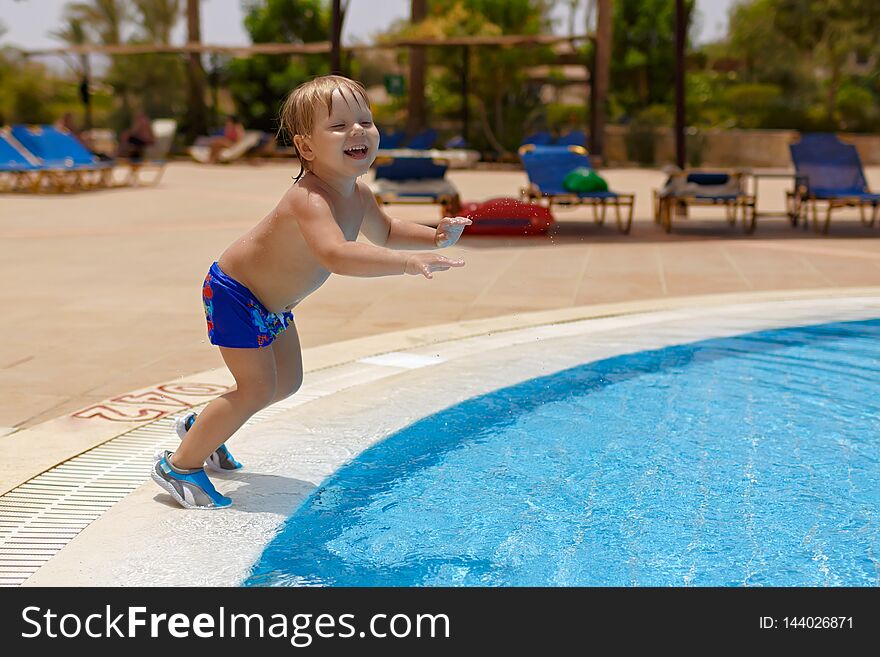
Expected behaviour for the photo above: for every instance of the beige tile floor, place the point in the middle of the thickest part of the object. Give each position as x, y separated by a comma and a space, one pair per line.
101, 291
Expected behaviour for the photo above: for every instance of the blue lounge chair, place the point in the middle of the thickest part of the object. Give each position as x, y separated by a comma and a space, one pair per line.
699, 187
70, 163
456, 142
415, 180
573, 138
391, 139
547, 166
542, 138
423, 140
18, 168
829, 171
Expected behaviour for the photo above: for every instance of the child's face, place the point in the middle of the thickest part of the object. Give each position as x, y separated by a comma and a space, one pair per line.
344, 141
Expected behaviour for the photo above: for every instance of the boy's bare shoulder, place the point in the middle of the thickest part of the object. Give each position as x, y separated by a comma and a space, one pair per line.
304, 200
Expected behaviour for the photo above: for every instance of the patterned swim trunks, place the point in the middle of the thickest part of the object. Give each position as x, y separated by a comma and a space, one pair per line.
235, 317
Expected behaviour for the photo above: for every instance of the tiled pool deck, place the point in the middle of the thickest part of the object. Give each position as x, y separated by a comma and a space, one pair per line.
102, 299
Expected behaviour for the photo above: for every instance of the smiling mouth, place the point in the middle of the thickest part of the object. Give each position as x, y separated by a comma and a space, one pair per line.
357, 152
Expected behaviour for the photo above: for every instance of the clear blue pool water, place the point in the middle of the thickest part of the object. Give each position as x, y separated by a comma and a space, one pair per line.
752, 460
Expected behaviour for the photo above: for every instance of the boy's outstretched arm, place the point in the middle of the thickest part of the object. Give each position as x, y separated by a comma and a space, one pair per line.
386, 231
340, 256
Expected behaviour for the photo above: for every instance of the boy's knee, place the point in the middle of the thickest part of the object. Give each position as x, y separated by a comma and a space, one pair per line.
257, 397
289, 389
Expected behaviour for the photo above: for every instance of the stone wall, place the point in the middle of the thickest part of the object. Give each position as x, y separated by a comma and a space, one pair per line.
734, 148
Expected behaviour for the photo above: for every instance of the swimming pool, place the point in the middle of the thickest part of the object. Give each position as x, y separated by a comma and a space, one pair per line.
749, 460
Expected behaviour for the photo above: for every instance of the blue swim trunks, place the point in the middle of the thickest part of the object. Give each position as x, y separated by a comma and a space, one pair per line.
236, 318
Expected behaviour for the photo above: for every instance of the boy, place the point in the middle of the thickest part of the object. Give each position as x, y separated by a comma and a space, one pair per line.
250, 291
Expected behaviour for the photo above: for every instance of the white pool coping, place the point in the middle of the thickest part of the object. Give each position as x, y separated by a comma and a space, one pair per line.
147, 540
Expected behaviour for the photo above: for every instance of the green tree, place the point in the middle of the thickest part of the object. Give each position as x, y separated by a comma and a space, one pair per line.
752, 34
259, 84
152, 82
29, 92
828, 31
103, 19
156, 83
857, 108
784, 64
156, 19
643, 52
499, 88
100, 22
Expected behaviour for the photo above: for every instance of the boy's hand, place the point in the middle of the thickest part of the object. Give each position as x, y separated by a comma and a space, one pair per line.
449, 230
427, 263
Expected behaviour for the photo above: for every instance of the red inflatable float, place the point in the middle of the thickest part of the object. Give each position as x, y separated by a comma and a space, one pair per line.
506, 216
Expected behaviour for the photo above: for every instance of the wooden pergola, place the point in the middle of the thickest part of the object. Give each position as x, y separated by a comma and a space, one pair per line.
598, 84
326, 48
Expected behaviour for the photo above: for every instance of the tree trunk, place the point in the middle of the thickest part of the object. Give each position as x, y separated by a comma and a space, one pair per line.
416, 118
197, 116
336, 39
836, 63
599, 78
681, 23
499, 112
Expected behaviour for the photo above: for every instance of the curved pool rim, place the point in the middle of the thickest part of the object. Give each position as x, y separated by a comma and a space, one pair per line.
139, 544
485, 470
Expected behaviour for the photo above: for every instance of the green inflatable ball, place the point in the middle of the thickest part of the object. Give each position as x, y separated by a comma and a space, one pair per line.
584, 180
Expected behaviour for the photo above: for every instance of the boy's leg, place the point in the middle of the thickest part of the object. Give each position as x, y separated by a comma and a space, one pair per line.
254, 372
288, 363
220, 460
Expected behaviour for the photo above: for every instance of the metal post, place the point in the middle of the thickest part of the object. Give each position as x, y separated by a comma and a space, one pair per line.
680, 35
197, 120
465, 73
416, 119
85, 93
599, 77
335, 38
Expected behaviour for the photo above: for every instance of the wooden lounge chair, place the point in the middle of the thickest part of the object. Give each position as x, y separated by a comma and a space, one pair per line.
541, 138
415, 180
422, 140
573, 138
391, 138
547, 166
703, 187
67, 163
829, 171
19, 170
250, 139
155, 155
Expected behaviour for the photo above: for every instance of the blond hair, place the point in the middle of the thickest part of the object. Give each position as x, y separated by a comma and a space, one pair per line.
298, 110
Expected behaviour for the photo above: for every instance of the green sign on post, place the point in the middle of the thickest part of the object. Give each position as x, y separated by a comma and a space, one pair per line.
394, 85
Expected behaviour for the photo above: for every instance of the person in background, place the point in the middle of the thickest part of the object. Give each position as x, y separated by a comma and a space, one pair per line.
233, 130
68, 124
133, 141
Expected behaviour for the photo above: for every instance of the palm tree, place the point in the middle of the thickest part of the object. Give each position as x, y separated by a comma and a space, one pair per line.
158, 18
104, 18
73, 32
103, 21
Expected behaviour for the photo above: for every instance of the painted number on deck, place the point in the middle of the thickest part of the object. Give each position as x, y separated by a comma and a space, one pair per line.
151, 404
